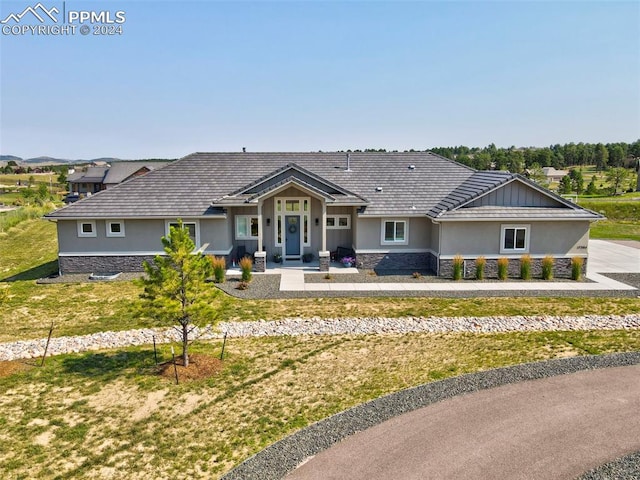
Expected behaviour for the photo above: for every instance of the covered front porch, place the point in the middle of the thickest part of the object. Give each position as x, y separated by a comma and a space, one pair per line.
290, 220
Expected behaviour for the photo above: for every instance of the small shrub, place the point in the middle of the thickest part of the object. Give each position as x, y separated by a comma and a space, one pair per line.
328, 276
481, 262
416, 275
576, 268
307, 257
246, 265
219, 268
547, 267
242, 285
458, 267
525, 267
277, 258
503, 268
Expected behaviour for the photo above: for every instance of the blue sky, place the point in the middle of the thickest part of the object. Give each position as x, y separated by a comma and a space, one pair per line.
308, 76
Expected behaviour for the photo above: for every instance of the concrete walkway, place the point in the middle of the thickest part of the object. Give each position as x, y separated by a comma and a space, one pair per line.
604, 257
552, 428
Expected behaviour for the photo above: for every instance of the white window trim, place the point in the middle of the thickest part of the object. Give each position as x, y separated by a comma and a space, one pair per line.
243, 237
185, 222
527, 230
93, 232
115, 234
337, 218
383, 241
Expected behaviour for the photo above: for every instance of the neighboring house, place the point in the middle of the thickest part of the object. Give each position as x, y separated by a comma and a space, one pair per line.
86, 182
554, 175
123, 171
97, 178
408, 211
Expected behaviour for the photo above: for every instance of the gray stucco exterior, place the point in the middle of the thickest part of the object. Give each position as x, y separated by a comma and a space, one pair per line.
411, 211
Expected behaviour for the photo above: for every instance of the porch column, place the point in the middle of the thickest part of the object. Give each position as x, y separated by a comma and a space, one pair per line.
259, 226
324, 226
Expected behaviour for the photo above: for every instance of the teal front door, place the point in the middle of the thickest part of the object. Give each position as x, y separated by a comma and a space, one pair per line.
292, 235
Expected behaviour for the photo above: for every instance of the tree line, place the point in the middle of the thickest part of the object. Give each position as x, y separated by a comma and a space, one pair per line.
519, 159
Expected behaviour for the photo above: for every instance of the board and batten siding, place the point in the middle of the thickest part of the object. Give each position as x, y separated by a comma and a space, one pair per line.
483, 238
515, 194
340, 237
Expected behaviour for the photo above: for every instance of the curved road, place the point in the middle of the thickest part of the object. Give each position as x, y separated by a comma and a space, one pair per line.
552, 428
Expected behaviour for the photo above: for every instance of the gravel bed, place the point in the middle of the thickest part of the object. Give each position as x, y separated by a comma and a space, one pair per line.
319, 326
625, 468
632, 279
285, 455
369, 276
260, 287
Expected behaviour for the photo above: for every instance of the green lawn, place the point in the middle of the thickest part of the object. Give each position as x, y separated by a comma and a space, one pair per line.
620, 230
107, 415
623, 217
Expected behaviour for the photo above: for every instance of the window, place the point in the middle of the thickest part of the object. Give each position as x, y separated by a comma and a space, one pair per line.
292, 205
338, 222
395, 231
246, 227
115, 228
86, 228
191, 227
515, 238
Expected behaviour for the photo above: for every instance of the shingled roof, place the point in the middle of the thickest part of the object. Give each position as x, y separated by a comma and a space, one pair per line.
202, 184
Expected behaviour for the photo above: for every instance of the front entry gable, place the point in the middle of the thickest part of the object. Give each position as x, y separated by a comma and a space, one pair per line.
292, 174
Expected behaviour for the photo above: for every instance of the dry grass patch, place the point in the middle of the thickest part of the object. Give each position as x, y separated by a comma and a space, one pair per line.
8, 368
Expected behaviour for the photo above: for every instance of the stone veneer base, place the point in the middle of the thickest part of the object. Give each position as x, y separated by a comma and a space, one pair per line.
102, 264
397, 261
561, 268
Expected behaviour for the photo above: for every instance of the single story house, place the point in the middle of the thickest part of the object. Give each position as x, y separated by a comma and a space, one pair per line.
408, 211
100, 176
554, 175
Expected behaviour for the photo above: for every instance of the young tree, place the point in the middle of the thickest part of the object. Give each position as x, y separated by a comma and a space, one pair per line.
42, 192
174, 285
577, 182
591, 188
565, 185
616, 177
537, 175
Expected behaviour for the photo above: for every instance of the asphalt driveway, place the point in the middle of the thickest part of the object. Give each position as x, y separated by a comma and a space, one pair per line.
552, 428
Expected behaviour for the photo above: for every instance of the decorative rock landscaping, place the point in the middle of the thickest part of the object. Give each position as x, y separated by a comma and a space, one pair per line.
320, 326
